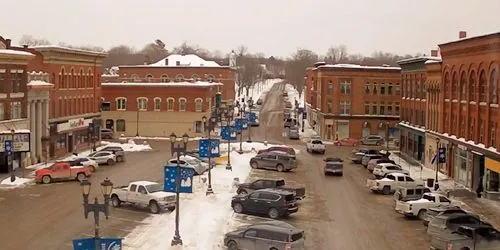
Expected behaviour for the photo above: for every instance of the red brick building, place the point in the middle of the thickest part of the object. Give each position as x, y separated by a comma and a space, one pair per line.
346, 100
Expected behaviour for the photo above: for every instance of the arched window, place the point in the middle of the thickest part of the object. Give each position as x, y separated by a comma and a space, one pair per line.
454, 86
142, 103
182, 104
157, 102
494, 86
135, 78
81, 79
483, 88
463, 87
90, 80
121, 103
149, 77
164, 78
447, 85
62, 79
72, 82
210, 78
195, 77
198, 104
170, 104
472, 86
179, 78
120, 125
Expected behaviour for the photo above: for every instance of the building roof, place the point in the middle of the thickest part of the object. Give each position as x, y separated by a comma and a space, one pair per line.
189, 60
10, 52
356, 66
46, 48
419, 59
162, 84
39, 83
486, 36
434, 61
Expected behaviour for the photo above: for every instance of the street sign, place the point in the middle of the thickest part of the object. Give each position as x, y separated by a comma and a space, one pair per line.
8, 146
442, 155
104, 244
252, 117
204, 148
228, 133
170, 179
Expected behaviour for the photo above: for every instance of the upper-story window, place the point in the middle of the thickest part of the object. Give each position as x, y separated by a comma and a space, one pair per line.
483, 88
375, 88
195, 77
330, 88
367, 108
472, 86
2, 81
447, 86
493, 133
367, 88
345, 87
389, 89
396, 108
149, 77
142, 103
210, 78
164, 78
494, 87
198, 105
170, 104
121, 103
345, 107
463, 87
81, 82
90, 83
397, 89
16, 78
182, 104
454, 86
157, 102
62, 79
179, 78
135, 77
15, 110
382, 88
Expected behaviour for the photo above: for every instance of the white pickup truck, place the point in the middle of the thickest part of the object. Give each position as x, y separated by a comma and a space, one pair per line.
316, 146
145, 194
391, 181
419, 207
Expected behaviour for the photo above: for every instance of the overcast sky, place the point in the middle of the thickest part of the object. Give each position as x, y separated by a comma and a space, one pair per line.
274, 27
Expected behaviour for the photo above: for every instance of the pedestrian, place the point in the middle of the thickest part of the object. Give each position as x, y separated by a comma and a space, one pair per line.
479, 189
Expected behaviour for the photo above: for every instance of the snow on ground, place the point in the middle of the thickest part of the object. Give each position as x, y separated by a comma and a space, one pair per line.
293, 94
260, 89
18, 183
203, 219
155, 138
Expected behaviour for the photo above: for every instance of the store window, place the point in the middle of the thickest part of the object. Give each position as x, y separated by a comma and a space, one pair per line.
15, 110
198, 126
157, 101
462, 170
120, 125
61, 141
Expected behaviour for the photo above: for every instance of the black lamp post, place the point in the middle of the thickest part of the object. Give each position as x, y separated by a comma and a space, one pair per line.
11, 156
96, 207
241, 112
436, 182
229, 113
209, 127
178, 149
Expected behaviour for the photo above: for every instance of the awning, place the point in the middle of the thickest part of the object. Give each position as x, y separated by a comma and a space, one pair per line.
492, 164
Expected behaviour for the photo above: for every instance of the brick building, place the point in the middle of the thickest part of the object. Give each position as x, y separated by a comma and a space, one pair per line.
433, 109
470, 113
345, 100
413, 105
171, 95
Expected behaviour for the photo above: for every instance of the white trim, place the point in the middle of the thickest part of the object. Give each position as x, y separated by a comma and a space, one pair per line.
141, 97
482, 103
185, 104
116, 103
472, 102
154, 103
463, 101
493, 105
446, 100
120, 97
2, 70
454, 100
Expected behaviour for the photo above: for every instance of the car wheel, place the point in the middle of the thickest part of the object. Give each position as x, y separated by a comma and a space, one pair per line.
421, 214
378, 144
386, 190
232, 245
115, 201
46, 179
244, 192
119, 158
110, 162
238, 208
273, 248
170, 209
280, 168
254, 164
92, 168
153, 207
80, 177
273, 213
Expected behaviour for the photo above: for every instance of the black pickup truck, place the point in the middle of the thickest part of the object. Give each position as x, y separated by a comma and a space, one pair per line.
245, 188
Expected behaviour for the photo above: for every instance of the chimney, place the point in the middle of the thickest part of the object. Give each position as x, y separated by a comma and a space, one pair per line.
462, 34
166, 61
25, 46
7, 43
434, 53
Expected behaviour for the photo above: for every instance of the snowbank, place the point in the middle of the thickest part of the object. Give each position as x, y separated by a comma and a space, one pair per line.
18, 183
156, 138
259, 89
293, 95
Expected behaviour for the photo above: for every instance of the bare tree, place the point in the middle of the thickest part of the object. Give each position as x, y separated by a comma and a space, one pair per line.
32, 41
153, 52
337, 54
296, 66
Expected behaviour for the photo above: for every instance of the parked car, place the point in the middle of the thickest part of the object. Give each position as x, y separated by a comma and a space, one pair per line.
441, 210
290, 151
265, 235
373, 140
370, 156
82, 161
288, 122
418, 208
62, 171
390, 182
316, 146
331, 158
384, 168
245, 188
274, 203
107, 133
333, 167
373, 162
471, 237
446, 224
346, 142
274, 160
197, 165
116, 150
410, 193
293, 133
144, 194
103, 157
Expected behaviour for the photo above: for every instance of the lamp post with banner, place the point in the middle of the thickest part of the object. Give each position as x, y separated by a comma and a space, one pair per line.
209, 126
178, 150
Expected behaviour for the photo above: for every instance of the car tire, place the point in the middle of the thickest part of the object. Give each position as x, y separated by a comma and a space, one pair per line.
238, 208
46, 179
170, 209
273, 248
232, 245
110, 162
273, 213
115, 201
386, 190
254, 165
421, 214
119, 158
80, 177
154, 208
280, 168
92, 168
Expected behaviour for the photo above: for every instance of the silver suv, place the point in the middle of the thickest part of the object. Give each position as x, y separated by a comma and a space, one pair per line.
274, 160
373, 140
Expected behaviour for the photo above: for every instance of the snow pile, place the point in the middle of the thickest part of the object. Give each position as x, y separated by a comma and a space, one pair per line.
156, 138
293, 95
18, 183
202, 218
259, 89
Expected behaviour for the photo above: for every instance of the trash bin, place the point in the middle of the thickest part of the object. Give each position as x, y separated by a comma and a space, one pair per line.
430, 183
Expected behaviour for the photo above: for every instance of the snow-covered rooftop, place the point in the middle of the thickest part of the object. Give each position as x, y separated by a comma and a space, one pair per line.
14, 52
189, 60
69, 50
434, 61
163, 84
419, 58
39, 83
356, 66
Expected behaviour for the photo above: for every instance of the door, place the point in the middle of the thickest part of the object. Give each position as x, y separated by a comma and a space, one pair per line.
62, 172
248, 240
254, 203
70, 143
100, 158
142, 195
366, 132
131, 194
268, 161
110, 124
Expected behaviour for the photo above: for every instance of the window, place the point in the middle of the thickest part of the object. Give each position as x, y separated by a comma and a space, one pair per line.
157, 101
471, 128
251, 233
482, 87
121, 104
62, 79
374, 108
170, 104
90, 79
2, 82
81, 83
120, 125
2, 112
61, 141
382, 108
72, 82
345, 107
375, 90
179, 78
16, 82
182, 104
397, 90
329, 107
367, 88
493, 87
149, 78
382, 89
389, 108
164, 78
481, 130
142, 103
330, 88
401, 178
367, 108
454, 86
396, 109
15, 110
493, 128
443, 199
198, 126
210, 78
463, 87
472, 86
389, 89
198, 105
195, 77
345, 87
135, 78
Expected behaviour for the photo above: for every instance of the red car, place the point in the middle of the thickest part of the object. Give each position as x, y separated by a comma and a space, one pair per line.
61, 171
347, 142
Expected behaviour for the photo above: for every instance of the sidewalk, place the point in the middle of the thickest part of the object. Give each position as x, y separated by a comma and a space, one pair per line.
489, 210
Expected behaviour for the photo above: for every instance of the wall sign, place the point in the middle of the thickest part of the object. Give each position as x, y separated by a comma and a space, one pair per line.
21, 142
73, 124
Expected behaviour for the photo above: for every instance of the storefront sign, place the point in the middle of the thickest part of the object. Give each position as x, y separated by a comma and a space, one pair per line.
492, 164
73, 124
21, 142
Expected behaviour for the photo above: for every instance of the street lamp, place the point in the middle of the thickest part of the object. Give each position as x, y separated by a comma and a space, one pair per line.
436, 183
209, 127
96, 207
178, 149
240, 111
229, 113
11, 156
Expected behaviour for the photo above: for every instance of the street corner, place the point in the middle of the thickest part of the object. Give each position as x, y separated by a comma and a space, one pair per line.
18, 182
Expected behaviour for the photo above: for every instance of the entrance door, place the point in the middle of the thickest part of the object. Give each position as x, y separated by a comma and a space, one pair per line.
110, 124
420, 148
342, 129
70, 143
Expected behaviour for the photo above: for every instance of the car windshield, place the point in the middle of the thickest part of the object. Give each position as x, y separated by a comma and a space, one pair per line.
296, 237
154, 188
317, 142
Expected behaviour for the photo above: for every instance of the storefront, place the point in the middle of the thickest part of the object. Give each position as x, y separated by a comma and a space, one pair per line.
492, 178
68, 137
20, 149
463, 166
412, 142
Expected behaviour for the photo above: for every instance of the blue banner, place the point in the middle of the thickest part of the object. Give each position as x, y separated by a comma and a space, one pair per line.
239, 124
104, 244
171, 175
252, 117
204, 148
442, 155
228, 133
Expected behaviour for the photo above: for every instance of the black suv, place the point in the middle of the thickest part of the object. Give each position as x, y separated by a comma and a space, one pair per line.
116, 150
274, 203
